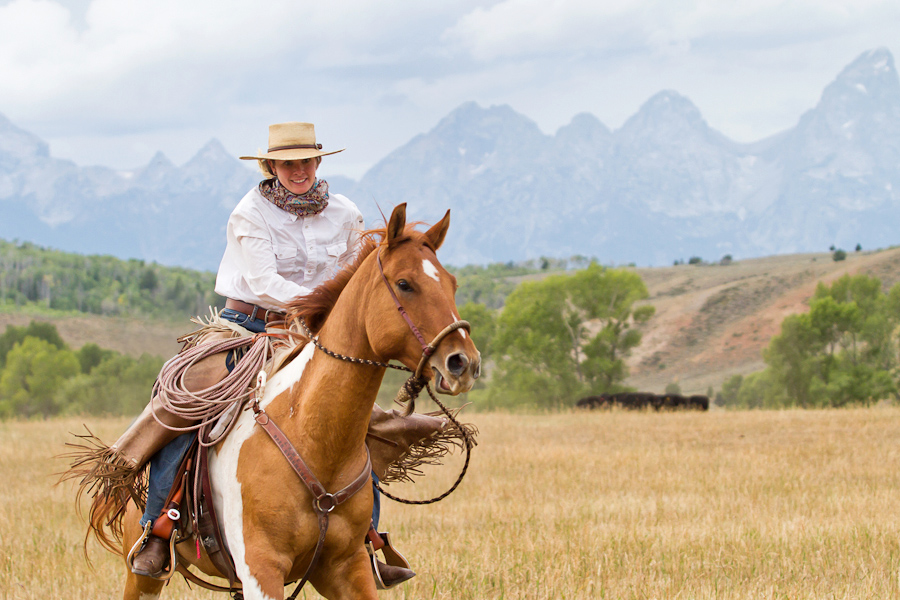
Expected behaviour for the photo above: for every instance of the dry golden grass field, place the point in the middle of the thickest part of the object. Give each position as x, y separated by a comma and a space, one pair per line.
778, 504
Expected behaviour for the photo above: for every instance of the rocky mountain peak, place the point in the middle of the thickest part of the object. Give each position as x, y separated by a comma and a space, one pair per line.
213, 168
668, 106
868, 83
854, 128
159, 172
493, 126
585, 131
213, 152
668, 120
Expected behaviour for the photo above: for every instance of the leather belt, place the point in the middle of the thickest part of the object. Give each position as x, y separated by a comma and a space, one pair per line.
254, 311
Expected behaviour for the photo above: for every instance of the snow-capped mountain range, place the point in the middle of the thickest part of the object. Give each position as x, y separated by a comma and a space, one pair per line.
664, 186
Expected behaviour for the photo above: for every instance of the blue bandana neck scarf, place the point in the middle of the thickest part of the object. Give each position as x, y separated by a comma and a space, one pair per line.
311, 203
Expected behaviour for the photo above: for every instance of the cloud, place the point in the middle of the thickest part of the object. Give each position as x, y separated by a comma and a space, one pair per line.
133, 74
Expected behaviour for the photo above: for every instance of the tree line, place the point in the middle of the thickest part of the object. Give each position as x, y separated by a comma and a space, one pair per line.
40, 376
550, 331
844, 351
42, 278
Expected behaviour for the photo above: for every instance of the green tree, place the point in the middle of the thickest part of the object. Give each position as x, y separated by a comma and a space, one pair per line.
484, 325
730, 390
36, 329
90, 355
842, 351
34, 371
793, 357
566, 335
119, 385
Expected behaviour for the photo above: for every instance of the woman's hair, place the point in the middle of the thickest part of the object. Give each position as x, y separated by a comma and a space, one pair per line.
264, 167
268, 170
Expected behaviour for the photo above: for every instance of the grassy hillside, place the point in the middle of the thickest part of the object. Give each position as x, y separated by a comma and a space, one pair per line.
38, 278
712, 321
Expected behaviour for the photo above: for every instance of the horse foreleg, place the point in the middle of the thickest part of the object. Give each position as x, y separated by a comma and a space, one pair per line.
262, 570
141, 588
350, 579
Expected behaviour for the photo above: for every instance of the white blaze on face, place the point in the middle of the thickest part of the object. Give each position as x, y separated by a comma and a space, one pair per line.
223, 465
461, 331
430, 270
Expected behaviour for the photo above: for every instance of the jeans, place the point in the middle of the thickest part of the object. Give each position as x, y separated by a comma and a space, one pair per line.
163, 465
244, 320
376, 501
165, 462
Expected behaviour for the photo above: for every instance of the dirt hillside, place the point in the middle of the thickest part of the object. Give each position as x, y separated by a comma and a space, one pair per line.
128, 336
713, 321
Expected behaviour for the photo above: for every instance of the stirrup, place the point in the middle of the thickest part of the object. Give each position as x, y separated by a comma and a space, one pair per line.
391, 557
139, 544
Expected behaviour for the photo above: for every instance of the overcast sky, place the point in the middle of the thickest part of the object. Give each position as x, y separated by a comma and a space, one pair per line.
111, 82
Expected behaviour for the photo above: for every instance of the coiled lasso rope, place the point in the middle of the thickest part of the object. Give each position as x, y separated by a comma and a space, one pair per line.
205, 407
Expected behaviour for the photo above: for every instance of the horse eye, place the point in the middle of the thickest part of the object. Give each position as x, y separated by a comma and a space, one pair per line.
404, 286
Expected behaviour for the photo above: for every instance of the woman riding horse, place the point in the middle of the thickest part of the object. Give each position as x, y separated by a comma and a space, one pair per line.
280, 527
286, 236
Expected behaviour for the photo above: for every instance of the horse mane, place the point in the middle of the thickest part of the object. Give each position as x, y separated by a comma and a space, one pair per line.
315, 307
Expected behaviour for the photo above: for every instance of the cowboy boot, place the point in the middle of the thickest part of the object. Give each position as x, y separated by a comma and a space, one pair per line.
391, 437
396, 570
152, 559
387, 576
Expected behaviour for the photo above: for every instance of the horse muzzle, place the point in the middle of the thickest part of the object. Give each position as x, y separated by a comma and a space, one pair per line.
456, 373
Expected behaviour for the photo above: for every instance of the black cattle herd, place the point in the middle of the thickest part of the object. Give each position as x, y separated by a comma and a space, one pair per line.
638, 400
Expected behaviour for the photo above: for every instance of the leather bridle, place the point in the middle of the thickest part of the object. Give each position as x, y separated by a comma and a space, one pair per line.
427, 349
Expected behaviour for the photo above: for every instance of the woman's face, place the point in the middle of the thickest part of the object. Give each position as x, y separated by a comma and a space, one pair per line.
297, 176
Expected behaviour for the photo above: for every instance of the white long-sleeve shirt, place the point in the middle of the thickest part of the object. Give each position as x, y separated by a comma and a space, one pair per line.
272, 256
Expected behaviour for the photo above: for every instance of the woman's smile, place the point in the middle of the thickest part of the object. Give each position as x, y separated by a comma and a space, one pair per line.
298, 176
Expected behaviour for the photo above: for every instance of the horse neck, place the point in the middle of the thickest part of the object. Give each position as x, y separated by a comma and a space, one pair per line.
334, 401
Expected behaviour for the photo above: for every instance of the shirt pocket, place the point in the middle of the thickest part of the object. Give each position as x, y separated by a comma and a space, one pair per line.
335, 250
286, 260
333, 253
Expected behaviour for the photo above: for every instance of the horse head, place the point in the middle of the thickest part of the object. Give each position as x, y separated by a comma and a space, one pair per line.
408, 274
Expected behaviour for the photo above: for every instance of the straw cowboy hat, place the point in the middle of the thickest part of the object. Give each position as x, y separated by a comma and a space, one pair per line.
291, 141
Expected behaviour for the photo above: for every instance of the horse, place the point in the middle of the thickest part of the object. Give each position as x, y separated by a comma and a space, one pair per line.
323, 406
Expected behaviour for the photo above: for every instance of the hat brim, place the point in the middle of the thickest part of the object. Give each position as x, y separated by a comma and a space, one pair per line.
294, 154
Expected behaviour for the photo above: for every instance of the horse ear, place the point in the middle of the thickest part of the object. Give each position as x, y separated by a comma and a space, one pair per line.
397, 223
438, 231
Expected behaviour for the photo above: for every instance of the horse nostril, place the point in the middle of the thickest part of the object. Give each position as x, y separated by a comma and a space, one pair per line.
457, 363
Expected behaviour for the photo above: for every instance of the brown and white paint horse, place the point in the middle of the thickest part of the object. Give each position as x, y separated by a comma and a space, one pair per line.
323, 405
